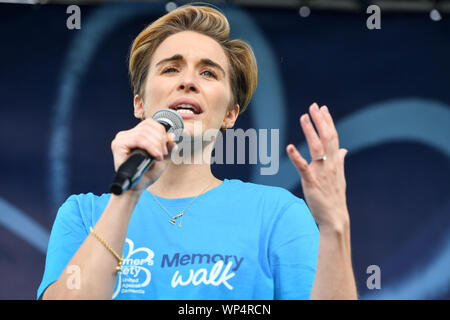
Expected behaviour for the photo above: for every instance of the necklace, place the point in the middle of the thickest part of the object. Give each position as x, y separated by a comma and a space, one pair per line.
181, 214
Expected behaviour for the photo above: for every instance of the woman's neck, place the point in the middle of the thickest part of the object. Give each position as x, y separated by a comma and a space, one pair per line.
184, 180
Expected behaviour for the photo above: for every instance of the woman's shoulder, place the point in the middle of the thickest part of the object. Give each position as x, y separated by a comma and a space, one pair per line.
86, 202
83, 198
264, 191
85, 207
270, 203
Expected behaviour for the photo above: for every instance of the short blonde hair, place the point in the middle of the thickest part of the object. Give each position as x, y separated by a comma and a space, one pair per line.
204, 20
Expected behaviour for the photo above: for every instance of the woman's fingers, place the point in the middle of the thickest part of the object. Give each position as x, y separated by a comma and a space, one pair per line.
316, 148
171, 143
325, 140
328, 119
334, 137
299, 162
155, 128
325, 127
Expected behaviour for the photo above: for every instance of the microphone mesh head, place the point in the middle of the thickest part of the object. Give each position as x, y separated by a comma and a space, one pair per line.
173, 119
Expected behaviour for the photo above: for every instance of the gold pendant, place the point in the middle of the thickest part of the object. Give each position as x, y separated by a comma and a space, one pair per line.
176, 217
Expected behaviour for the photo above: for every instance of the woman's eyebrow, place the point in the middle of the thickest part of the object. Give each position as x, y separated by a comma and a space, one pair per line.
175, 57
204, 61
211, 63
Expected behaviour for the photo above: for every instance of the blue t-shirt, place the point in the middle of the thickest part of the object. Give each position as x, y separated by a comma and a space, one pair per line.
239, 240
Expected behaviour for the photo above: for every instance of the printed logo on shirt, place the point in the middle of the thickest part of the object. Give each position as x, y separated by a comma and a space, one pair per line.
135, 274
217, 275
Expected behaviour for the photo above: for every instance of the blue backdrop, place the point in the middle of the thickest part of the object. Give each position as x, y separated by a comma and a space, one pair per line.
64, 94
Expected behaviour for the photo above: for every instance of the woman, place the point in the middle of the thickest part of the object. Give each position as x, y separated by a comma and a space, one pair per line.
181, 233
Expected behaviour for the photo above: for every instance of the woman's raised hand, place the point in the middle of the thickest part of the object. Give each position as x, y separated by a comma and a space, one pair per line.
323, 180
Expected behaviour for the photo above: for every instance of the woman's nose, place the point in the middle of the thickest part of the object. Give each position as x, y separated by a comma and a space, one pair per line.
188, 84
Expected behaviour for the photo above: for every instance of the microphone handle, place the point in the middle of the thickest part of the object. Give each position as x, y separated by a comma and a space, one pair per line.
132, 170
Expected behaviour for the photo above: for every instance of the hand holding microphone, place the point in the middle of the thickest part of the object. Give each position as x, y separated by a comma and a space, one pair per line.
136, 150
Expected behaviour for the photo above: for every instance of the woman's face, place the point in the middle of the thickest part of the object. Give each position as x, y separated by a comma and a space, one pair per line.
190, 69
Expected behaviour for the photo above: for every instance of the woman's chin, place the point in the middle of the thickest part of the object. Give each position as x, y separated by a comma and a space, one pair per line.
198, 129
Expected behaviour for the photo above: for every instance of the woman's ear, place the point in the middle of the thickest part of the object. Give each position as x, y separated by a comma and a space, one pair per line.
139, 111
230, 117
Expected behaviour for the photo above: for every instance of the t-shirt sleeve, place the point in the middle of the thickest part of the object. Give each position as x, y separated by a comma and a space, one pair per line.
293, 250
67, 235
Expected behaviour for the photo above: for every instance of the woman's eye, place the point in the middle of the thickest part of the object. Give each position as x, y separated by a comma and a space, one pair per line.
169, 70
209, 74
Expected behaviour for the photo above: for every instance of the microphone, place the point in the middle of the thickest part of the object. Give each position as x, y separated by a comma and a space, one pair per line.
131, 171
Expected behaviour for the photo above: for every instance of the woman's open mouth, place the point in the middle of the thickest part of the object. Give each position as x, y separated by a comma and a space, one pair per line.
186, 110
187, 114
